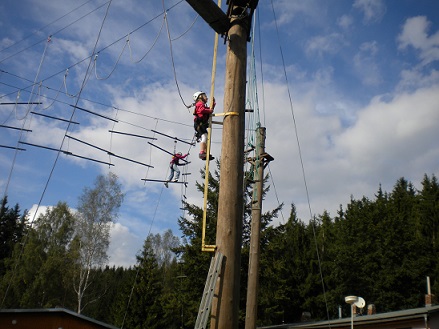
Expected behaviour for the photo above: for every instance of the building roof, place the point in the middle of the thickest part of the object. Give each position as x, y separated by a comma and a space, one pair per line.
381, 318
55, 311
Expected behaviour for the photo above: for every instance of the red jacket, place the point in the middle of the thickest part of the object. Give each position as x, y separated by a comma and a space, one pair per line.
176, 158
202, 111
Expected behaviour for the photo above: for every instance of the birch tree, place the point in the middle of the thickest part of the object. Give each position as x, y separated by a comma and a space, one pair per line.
97, 210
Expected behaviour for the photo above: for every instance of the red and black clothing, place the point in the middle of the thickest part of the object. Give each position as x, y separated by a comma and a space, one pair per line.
173, 165
201, 117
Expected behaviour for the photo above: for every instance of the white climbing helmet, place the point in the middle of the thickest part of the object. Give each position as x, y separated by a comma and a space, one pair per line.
197, 94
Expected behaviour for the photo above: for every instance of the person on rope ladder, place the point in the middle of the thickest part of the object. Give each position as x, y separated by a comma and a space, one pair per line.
201, 121
173, 166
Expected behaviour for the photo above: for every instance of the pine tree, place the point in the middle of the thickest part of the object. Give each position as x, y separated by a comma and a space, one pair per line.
141, 306
13, 227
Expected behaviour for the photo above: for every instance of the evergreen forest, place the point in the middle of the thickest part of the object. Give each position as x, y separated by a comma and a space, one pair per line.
381, 249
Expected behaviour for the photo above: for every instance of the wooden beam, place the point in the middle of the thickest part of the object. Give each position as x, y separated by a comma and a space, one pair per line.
212, 14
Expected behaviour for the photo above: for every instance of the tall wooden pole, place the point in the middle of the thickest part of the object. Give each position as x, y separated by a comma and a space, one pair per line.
225, 312
251, 313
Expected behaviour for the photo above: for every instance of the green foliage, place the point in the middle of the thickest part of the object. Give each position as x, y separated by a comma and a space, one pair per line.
39, 271
13, 227
97, 209
381, 249
194, 264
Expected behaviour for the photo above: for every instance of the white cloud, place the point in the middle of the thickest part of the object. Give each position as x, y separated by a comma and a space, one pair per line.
414, 78
331, 44
34, 212
415, 34
76, 50
347, 147
365, 64
345, 21
385, 141
287, 10
373, 10
124, 246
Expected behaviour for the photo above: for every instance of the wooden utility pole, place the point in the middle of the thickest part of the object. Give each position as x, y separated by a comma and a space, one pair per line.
225, 310
259, 163
225, 315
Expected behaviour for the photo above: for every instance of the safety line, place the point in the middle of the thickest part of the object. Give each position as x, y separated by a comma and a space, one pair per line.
83, 99
153, 45
172, 57
301, 163
24, 119
149, 232
114, 67
190, 28
42, 28
37, 43
56, 160
106, 47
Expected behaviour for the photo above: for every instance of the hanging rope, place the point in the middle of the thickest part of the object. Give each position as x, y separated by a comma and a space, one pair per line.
115, 65
172, 58
301, 162
25, 116
189, 28
57, 156
54, 33
15, 107
53, 100
152, 46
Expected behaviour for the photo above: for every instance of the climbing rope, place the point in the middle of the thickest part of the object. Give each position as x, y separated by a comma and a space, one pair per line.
301, 162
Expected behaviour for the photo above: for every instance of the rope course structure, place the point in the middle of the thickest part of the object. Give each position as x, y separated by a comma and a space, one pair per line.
44, 89
76, 101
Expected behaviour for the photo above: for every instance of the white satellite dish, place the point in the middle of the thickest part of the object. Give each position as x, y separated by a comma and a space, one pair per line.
351, 299
360, 303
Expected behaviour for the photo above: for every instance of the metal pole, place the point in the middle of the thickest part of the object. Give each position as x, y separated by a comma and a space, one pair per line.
352, 316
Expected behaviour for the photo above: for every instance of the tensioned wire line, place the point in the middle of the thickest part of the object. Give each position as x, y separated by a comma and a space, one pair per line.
149, 232
59, 151
24, 119
43, 27
108, 46
263, 112
40, 95
78, 97
77, 20
301, 162
170, 40
172, 57
256, 99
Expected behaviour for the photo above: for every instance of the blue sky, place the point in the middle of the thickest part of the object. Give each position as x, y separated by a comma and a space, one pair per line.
362, 76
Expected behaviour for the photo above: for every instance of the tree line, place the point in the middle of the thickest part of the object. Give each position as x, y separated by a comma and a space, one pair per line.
381, 249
